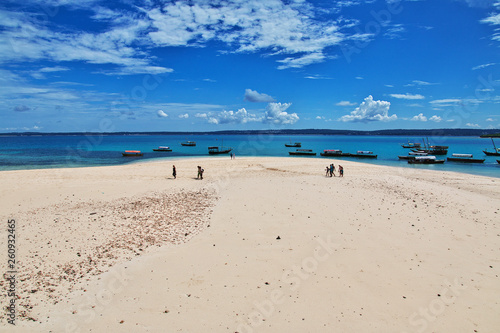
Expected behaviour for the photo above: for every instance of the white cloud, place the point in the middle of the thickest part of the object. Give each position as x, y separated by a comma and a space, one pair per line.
307, 59
184, 116
407, 96
435, 119
345, 103
370, 110
446, 101
276, 114
419, 117
230, 117
201, 115
161, 114
493, 19
472, 125
483, 66
490, 119
419, 83
254, 96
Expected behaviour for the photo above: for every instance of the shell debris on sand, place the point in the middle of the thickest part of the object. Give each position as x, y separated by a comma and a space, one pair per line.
76, 241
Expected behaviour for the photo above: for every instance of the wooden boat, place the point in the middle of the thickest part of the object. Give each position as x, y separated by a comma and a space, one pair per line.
333, 153
162, 148
425, 160
411, 145
188, 143
363, 154
405, 157
432, 151
132, 153
219, 150
296, 144
303, 152
495, 152
464, 158
498, 161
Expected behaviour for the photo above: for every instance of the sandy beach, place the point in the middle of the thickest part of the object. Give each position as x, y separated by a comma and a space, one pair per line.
258, 245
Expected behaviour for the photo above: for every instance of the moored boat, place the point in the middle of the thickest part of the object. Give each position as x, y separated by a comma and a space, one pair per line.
363, 154
215, 150
162, 148
333, 153
132, 153
425, 160
296, 144
411, 145
464, 158
495, 152
188, 143
304, 152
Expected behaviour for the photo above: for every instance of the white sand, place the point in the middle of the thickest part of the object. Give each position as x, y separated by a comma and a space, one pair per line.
380, 250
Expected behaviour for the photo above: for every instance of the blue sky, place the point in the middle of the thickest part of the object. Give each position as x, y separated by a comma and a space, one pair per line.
200, 65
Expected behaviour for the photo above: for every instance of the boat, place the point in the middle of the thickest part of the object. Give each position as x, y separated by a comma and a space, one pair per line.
498, 161
411, 145
495, 152
363, 154
188, 143
464, 158
432, 150
303, 152
413, 153
296, 144
333, 153
132, 153
162, 148
425, 160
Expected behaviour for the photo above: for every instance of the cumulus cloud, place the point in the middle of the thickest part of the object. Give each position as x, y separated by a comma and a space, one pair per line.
407, 96
254, 96
161, 114
472, 125
370, 110
490, 119
242, 116
436, 119
276, 114
419, 117
184, 116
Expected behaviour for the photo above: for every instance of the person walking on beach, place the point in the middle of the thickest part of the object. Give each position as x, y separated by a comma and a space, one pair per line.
341, 171
174, 173
327, 171
199, 173
331, 170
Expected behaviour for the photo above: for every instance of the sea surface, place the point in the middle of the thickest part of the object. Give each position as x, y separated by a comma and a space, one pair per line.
54, 151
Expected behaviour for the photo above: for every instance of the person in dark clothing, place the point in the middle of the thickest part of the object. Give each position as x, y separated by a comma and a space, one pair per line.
174, 172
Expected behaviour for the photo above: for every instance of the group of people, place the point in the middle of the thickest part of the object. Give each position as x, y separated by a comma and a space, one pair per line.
200, 172
233, 156
330, 171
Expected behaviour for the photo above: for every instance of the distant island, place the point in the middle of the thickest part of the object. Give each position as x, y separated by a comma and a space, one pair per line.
484, 133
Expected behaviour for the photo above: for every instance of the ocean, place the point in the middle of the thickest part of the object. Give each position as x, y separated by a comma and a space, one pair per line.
53, 151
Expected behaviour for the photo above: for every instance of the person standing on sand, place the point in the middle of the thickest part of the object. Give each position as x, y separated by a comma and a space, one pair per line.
327, 171
341, 171
331, 170
174, 173
199, 172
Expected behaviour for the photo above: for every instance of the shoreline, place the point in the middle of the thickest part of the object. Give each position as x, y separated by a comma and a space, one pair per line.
267, 244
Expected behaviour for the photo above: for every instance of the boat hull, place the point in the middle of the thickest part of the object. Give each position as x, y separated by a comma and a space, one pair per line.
132, 154
417, 161
294, 145
188, 144
465, 160
491, 153
162, 149
301, 153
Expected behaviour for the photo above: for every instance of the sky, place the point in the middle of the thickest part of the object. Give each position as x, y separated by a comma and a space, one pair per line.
209, 65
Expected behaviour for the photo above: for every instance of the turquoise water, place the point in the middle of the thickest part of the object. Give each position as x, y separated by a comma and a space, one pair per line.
35, 152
